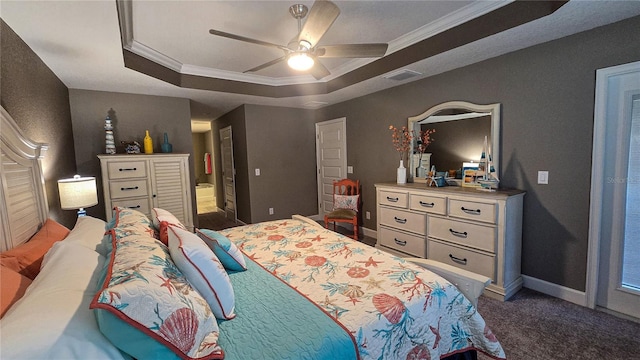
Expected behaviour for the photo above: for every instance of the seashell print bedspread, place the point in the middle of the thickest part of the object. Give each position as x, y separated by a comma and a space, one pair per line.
392, 308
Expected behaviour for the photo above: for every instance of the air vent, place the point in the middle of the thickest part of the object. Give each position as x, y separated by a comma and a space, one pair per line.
315, 104
401, 74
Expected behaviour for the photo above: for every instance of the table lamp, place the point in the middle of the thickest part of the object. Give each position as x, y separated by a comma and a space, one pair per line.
77, 193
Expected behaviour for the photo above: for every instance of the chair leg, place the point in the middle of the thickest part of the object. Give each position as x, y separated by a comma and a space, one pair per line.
355, 231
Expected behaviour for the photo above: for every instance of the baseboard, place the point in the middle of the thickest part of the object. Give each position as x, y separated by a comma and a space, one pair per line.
555, 290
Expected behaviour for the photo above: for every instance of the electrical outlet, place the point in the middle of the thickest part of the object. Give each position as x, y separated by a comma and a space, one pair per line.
367, 214
270, 211
257, 172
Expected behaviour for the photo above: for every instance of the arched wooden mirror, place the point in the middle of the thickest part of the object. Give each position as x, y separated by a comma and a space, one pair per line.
461, 128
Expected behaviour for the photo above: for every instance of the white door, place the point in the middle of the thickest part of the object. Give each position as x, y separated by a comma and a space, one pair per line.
228, 173
616, 179
331, 159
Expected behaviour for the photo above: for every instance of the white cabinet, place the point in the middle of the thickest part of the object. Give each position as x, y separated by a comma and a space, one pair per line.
143, 182
464, 227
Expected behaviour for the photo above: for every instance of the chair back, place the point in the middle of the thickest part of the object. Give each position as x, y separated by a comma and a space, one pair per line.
346, 187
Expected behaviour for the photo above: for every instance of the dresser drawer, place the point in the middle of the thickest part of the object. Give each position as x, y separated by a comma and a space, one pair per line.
477, 236
392, 198
428, 203
128, 188
477, 211
404, 220
462, 258
126, 169
140, 204
410, 244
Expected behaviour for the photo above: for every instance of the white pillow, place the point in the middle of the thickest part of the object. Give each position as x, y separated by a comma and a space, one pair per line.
203, 270
88, 232
53, 319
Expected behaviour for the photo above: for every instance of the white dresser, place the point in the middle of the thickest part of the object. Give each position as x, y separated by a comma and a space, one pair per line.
143, 182
468, 228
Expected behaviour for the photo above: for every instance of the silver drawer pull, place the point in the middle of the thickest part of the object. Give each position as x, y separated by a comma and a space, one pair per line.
458, 233
471, 211
458, 260
127, 169
400, 242
134, 207
400, 221
390, 199
129, 188
429, 205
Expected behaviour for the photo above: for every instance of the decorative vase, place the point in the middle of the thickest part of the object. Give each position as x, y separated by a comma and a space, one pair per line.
402, 173
110, 144
148, 143
166, 147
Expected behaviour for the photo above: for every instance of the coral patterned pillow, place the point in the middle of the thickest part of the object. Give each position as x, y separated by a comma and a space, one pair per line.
161, 220
148, 309
127, 222
345, 202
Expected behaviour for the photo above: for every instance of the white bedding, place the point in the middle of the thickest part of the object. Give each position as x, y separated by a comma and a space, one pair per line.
53, 319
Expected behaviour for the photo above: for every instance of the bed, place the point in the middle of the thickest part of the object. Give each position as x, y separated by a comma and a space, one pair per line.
141, 287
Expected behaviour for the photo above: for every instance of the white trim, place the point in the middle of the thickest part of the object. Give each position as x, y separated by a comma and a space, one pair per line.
555, 290
343, 122
597, 179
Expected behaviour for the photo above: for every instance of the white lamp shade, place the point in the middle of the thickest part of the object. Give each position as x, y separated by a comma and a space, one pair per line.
78, 192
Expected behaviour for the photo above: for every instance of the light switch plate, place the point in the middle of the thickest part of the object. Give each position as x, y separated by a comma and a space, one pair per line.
349, 169
543, 177
257, 172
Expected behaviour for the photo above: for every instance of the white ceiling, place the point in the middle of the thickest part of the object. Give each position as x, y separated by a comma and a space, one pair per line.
81, 41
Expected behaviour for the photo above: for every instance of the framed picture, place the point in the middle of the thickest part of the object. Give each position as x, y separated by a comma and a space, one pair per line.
470, 175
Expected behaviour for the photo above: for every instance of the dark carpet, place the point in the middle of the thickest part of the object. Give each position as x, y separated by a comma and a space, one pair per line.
532, 325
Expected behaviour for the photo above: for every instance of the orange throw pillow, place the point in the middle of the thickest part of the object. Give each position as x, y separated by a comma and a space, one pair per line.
13, 287
29, 255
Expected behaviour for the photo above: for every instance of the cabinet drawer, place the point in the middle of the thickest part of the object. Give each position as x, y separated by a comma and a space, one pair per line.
126, 169
403, 220
140, 204
477, 236
410, 244
462, 258
128, 188
427, 203
392, 198
472, 210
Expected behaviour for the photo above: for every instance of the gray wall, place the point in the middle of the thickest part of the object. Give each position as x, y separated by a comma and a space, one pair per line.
39, 102
547, 96
281, 143
198, 157
131, 115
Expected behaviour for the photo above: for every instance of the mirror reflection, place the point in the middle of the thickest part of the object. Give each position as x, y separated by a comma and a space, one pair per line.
460, 130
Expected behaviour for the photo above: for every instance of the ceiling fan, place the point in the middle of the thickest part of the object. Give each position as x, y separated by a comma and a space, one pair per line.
302, 52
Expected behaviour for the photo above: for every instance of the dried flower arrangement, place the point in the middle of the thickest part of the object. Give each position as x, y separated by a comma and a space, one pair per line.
424, 140
401, 139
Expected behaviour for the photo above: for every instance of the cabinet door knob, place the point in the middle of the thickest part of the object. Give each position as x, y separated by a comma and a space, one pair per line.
470, 211
458, 260
458, 233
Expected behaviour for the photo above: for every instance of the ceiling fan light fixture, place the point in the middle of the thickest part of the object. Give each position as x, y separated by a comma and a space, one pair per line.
300, 61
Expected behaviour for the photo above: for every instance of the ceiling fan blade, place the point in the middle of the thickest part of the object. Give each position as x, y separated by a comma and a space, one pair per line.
246, 39
321, 16
352, 50
319, 71
266, 65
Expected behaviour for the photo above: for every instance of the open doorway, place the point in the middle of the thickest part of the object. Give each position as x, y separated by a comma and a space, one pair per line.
204, 155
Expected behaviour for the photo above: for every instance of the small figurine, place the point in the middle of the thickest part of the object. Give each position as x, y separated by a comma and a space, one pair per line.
131, 147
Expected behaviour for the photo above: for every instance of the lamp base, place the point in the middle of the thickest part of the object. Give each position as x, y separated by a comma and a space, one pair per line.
82, 212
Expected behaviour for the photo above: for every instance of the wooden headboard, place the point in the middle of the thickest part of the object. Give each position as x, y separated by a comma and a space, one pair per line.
23, 200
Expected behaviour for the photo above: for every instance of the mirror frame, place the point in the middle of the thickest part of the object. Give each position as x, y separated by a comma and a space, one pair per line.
493, 109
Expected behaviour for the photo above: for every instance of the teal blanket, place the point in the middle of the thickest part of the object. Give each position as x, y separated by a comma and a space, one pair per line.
274, 321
